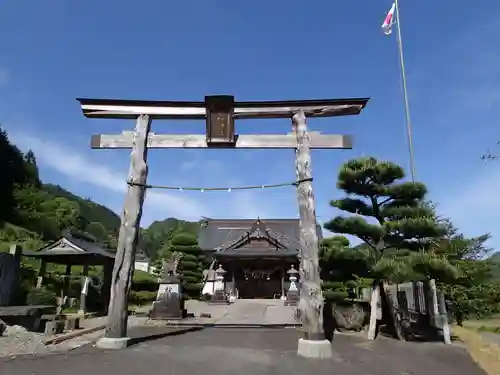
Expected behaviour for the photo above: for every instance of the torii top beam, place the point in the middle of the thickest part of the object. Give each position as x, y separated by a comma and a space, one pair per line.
131, 109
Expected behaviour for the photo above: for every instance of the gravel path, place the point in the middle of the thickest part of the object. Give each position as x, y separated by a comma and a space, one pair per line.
18, 342
247, 352
22, 343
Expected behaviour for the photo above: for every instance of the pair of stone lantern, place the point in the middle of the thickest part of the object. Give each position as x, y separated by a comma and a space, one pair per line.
293, 294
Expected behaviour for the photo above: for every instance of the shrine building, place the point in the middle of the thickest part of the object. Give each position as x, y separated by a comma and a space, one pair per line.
256, 255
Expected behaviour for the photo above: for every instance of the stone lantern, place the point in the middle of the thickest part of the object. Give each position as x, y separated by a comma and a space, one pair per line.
219, 295
293, 294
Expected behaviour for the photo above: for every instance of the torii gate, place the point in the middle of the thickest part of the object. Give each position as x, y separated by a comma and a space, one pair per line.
220, 113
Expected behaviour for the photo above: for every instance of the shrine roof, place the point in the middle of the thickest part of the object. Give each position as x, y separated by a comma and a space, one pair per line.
218, 233
72, 250
257, 253
141, 257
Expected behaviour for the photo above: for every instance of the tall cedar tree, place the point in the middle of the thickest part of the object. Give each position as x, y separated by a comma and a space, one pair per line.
17, 170
398, 234
190, 267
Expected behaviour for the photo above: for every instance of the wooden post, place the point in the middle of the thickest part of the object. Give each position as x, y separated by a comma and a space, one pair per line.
311, 297
107, 275
41, 273
431, 302
116, 329
444, 318
84, 291
67, 281
16, 252
415, 294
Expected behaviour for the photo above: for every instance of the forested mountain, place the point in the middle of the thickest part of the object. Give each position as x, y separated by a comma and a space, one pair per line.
33, 213
156, 238
91, 212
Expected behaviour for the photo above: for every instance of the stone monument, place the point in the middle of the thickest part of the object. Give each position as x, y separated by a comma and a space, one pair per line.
219, 295
169, 303
10, 273
293, 294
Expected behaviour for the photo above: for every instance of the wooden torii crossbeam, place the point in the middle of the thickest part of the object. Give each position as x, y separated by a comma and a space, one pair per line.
220, 113
244, 141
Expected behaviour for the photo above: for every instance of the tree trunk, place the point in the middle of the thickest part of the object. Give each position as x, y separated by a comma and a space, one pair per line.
374, 300
129, 233
459, 318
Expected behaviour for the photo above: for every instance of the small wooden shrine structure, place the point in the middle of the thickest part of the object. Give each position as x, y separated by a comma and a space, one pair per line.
73, 251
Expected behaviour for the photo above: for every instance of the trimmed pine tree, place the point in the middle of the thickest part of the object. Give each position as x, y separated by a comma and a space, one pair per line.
190, 265
397, 227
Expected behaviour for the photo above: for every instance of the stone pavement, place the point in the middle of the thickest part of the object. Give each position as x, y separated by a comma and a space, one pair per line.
244, 312
222, 351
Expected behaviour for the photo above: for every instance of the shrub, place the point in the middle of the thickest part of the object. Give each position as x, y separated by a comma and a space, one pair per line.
144, 281
141, 298
41, 296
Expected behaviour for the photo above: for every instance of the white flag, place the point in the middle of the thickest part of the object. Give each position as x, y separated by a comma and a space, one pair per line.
389, 20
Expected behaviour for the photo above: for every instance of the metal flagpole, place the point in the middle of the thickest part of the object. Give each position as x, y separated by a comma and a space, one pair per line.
405, 94
432, 282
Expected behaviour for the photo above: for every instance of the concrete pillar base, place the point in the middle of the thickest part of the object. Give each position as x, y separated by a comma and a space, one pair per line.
315, 349
112, 342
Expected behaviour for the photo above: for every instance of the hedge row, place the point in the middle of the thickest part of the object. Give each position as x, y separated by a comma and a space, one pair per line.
144, 289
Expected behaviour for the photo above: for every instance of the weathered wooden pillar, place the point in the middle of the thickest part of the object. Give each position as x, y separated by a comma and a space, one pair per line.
41, 273
444, 318
107, 275
116, 329
84, 291
282, 271
415, 294
431, 302
314, 344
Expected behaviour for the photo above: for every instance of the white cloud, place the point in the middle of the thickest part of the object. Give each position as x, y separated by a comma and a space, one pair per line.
81, 168
247, 205
159, 204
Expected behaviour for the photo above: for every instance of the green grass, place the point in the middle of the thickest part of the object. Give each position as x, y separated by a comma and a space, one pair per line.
485, 353
491, 329
491, 324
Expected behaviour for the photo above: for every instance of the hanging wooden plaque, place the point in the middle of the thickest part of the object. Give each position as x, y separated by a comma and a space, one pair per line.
220, 120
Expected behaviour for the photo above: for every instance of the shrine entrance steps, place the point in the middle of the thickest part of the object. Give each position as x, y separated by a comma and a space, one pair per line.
242, 313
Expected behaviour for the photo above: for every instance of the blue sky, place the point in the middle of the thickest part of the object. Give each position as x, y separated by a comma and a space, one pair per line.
54, 51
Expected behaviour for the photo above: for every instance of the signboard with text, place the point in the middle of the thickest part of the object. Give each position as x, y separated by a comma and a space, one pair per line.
165, 290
